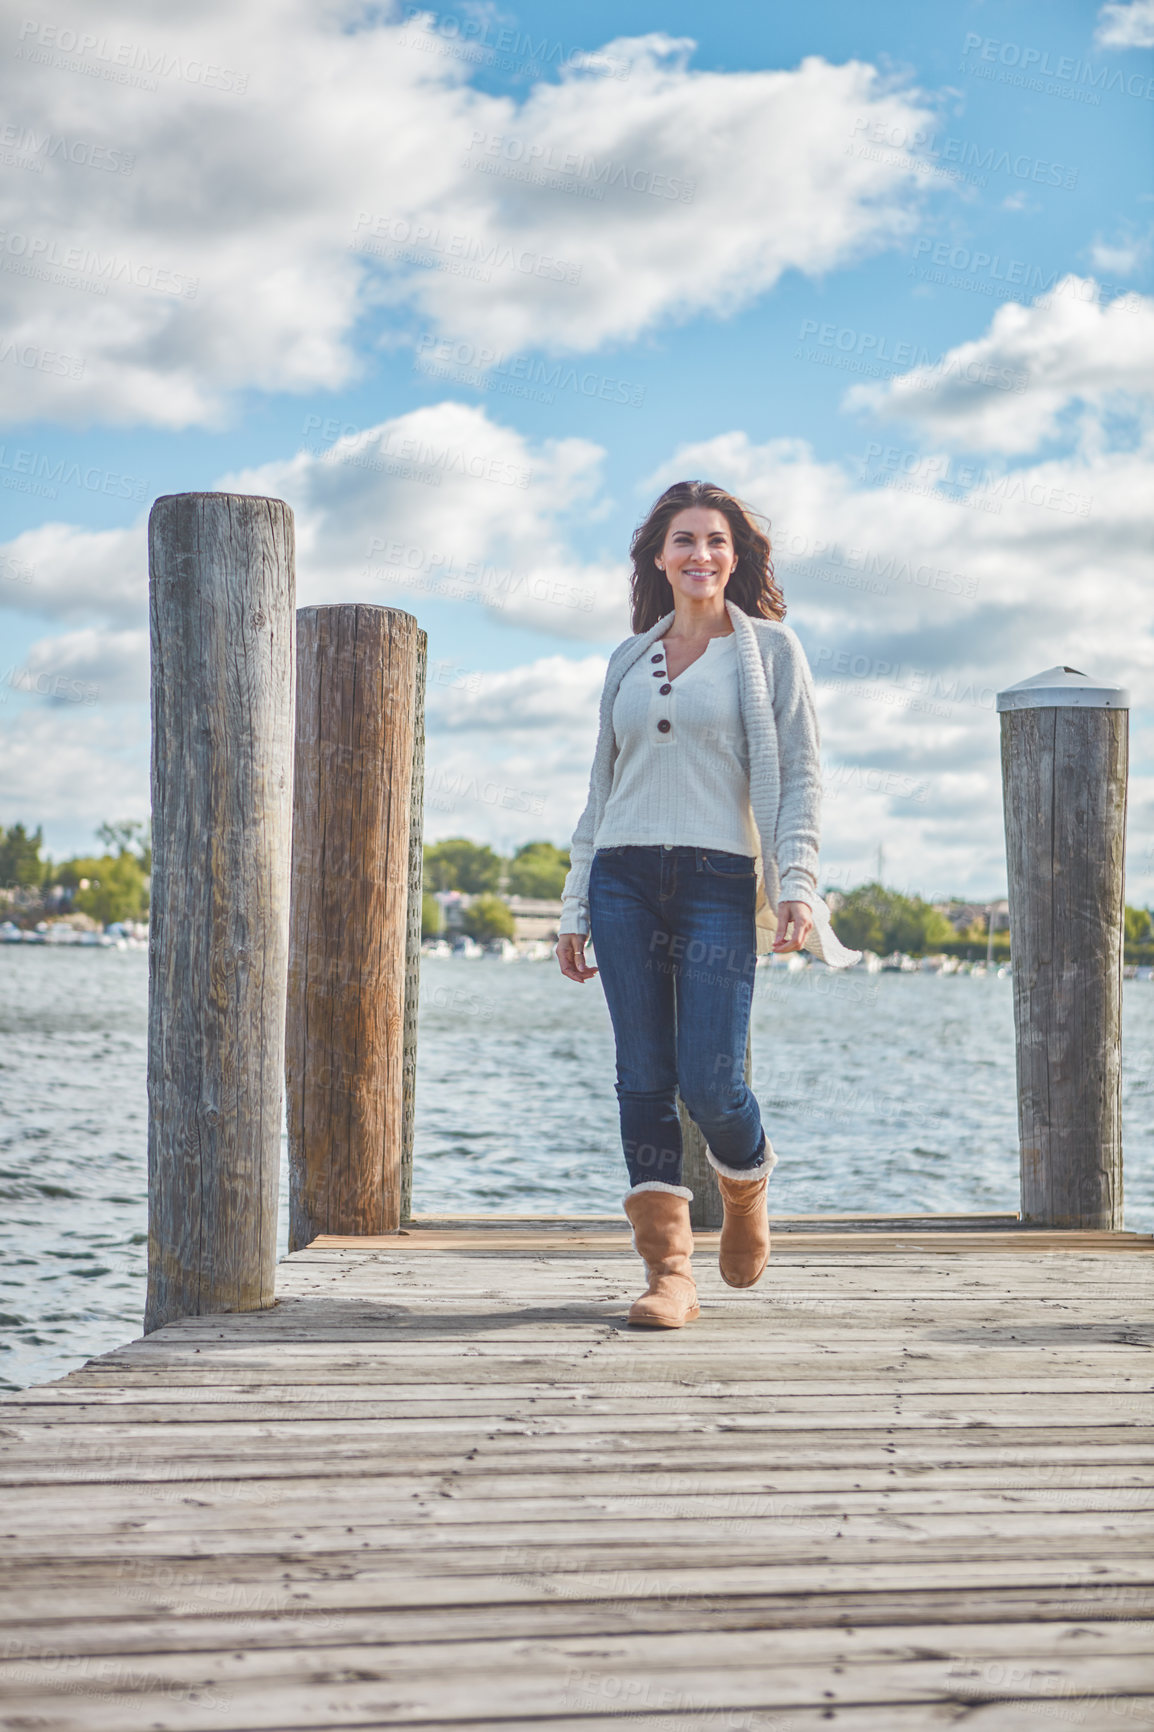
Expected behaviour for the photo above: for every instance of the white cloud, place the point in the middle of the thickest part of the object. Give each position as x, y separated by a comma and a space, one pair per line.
72, 767
1007, 390
555, 691
449, 503
1126, 24
780, 162
87, 667
165, 248
1120, 258
445, 501
70, 573
918, 566
440, 501
509, 753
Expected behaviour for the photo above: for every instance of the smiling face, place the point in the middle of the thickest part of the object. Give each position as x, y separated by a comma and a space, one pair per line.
698, 554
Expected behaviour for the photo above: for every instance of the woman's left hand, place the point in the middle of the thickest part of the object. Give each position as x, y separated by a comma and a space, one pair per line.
797, 914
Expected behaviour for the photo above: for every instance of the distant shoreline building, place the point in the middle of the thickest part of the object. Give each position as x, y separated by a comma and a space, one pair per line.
534, 917
961, 915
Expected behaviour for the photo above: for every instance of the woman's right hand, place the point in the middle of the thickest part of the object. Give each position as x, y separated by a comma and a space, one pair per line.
570, 953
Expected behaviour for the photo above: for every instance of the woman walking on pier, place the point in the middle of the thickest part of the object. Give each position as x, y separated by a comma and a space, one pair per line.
697, 850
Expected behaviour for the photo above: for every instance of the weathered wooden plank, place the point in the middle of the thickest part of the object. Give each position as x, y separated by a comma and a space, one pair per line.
1027, 1241
816, 1376
244, 1584
149, 1469
538, 1554
781, 1413
992, 1623
773, 1341
44, 1614
354, 1685
416, 1392
694, 1497
1093, 1712
411, 1398
525, 1336
899, 1647
995, 1458
505, 1365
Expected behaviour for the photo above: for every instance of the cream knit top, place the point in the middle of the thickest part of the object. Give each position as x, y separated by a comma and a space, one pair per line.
699, 779
687, 782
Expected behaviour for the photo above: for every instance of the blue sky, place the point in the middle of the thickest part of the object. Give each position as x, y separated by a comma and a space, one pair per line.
468, 288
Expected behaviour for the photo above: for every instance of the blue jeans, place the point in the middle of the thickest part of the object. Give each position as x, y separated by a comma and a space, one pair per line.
676, 946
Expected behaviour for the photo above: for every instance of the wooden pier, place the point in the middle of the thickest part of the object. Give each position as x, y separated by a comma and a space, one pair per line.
903, 1483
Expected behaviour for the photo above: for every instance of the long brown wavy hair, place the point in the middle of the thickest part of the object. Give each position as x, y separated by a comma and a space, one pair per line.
751, 584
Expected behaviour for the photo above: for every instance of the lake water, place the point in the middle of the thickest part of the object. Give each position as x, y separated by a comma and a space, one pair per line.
880, 1093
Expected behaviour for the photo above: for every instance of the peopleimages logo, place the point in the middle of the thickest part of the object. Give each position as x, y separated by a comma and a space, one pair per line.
23, 147
802, 550
428, 244
81, 267
929, 472
123, 62
878, 347
958, 156
40, 360
1015, 63
60, 688
340, 445
477, 364
953, 266
502, 45
27, 471
549, 164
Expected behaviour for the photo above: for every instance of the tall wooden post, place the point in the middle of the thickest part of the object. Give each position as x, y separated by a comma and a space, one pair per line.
413, 937
221, 618
356, 681
1064, 763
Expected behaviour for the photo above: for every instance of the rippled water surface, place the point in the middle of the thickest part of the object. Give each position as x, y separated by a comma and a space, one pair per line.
880, 1093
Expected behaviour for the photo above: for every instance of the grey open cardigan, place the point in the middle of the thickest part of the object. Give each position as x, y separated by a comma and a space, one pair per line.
779, 713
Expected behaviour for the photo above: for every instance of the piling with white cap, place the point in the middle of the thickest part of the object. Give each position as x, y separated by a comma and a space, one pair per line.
1064, 767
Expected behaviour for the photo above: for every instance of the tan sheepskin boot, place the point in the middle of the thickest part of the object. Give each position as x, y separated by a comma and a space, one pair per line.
744, 1249
663, 1237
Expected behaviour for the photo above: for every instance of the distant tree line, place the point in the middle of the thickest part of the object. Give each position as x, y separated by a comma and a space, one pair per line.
535, 869
107, 887
874, 918
114, 886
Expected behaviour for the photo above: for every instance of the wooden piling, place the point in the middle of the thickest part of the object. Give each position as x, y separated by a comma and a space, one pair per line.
413, 936
221, 622
1064, 767
344, 1050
